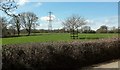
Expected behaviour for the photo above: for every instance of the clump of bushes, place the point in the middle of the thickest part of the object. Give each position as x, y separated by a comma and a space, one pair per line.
60, 55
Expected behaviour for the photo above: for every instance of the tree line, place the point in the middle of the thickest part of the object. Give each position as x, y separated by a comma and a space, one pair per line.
27, 22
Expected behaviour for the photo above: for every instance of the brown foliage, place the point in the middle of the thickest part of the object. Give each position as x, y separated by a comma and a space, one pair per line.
59, 56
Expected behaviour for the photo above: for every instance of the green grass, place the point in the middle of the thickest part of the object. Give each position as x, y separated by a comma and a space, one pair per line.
0, 40
97, 36
54, 37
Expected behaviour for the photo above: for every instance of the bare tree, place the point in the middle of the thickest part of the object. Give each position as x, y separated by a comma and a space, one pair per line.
3, 26
73, 22
15, 22
8, 6
28, 20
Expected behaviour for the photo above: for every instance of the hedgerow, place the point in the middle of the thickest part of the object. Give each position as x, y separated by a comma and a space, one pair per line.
59, 55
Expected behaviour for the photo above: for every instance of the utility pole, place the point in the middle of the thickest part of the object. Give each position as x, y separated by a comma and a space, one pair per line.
50, 21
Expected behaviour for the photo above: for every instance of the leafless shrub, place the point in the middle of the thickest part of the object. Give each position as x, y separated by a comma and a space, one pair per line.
60, 55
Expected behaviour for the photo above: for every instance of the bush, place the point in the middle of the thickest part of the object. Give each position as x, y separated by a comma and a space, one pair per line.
59, 56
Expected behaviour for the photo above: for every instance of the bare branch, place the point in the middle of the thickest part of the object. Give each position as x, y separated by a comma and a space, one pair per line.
8, 6
28, 20
74, 21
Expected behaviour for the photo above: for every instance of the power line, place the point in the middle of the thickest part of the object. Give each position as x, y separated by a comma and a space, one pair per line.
50, 21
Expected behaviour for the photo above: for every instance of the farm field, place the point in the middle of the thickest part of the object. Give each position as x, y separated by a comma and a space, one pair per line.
53, 37
59, 35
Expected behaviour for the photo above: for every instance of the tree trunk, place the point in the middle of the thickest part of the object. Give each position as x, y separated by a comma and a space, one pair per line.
18, 31
29, 33
18, 26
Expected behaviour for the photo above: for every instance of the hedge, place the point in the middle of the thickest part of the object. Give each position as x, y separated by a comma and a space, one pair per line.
59, 55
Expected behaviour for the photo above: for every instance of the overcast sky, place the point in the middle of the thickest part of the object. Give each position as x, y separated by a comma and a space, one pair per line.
96, 13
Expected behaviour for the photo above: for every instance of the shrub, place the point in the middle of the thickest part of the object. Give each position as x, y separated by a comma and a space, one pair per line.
60, 55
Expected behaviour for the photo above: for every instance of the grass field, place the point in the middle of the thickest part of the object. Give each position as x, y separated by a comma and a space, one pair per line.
53, 37
0, 40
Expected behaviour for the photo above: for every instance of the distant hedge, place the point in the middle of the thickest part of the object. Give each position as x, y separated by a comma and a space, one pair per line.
60, 55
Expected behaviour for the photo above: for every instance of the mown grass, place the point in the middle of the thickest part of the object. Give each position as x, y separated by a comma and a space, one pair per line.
0, 46
53, 37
